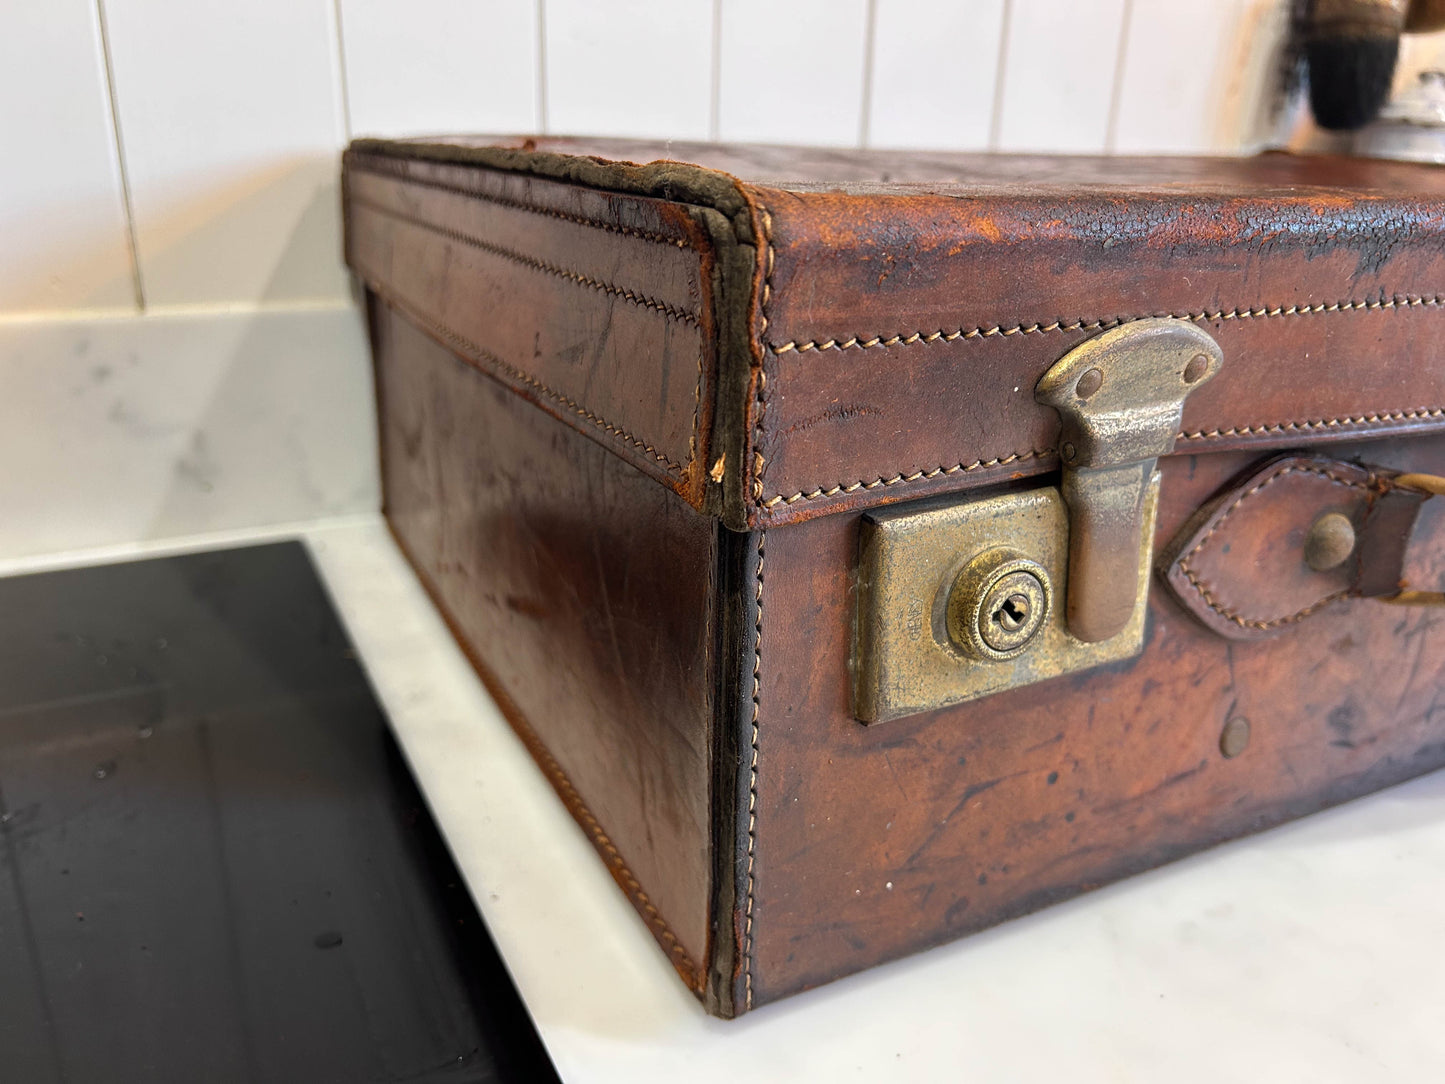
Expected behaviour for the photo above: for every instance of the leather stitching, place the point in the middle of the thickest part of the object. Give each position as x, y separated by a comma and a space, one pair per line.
656, 238
1310, 426
618, 865
611, 289
759, 462
1263, 626
753, 776
400, 174
1208, 596
571, 799
916, 476
467, 346
1035, 453
1404, 301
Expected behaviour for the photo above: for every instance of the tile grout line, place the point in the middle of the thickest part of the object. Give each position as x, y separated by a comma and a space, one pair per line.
714, 107
541, 102
870, 34
131, 243
340, 40
995, 121
1116, 93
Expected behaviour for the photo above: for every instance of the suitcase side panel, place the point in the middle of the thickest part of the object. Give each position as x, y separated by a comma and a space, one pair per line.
874, 842
597, 308
583, 592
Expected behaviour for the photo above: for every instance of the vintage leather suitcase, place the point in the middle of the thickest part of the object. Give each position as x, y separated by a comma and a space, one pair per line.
873, 547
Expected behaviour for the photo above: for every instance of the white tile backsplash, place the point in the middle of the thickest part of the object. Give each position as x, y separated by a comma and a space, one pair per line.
629, 67
792, 72
126, 428
434, 66
62, 215
1060, 61
935, 64
1198, 85
231, 121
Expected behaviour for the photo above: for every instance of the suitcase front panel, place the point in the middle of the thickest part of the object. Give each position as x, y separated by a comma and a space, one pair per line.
875, 841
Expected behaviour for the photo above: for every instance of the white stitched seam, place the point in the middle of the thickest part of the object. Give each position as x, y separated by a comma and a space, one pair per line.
1405, 301
502, 252
753, 776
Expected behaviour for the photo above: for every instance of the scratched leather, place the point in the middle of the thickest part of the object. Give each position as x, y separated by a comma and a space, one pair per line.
606, 329
582, 586
854, 268
1302, 267
874, 842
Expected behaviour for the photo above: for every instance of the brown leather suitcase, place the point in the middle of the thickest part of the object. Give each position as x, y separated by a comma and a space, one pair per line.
873, 547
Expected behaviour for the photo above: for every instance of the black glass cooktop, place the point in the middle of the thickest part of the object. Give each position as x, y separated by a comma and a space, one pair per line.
214, 864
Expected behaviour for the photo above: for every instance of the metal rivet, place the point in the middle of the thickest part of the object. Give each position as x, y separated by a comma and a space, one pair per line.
1068, 451
1235, 737
1330, 542
1197, 367
1089, 383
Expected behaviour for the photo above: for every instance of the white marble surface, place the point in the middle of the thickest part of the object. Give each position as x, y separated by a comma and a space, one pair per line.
123, 428
1312, 953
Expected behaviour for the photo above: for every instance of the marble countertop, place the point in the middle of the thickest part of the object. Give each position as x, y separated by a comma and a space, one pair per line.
1314, 952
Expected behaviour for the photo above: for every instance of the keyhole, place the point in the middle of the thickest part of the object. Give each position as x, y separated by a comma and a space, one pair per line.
1013, 613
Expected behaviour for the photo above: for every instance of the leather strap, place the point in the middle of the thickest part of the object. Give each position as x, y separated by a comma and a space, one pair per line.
1239, 565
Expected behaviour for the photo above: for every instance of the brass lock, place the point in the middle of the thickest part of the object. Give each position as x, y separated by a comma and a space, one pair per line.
957, 595
998, 603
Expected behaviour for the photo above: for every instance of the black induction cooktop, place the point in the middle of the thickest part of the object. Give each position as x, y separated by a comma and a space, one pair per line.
214, 863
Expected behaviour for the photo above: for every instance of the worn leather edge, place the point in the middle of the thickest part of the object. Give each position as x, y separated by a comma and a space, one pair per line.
632, 296
774, 506
680, 182
734, 675
733, 275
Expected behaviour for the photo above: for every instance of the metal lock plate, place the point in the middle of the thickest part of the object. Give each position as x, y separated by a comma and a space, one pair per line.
965, 598
946, 597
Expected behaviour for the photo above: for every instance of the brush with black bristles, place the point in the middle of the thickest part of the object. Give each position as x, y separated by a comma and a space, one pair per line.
1350, 48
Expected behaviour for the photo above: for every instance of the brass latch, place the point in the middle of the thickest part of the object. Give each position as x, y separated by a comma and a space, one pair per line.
959, 597
1120, 395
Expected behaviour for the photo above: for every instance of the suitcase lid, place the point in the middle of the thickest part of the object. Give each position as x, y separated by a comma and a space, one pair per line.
870, 326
